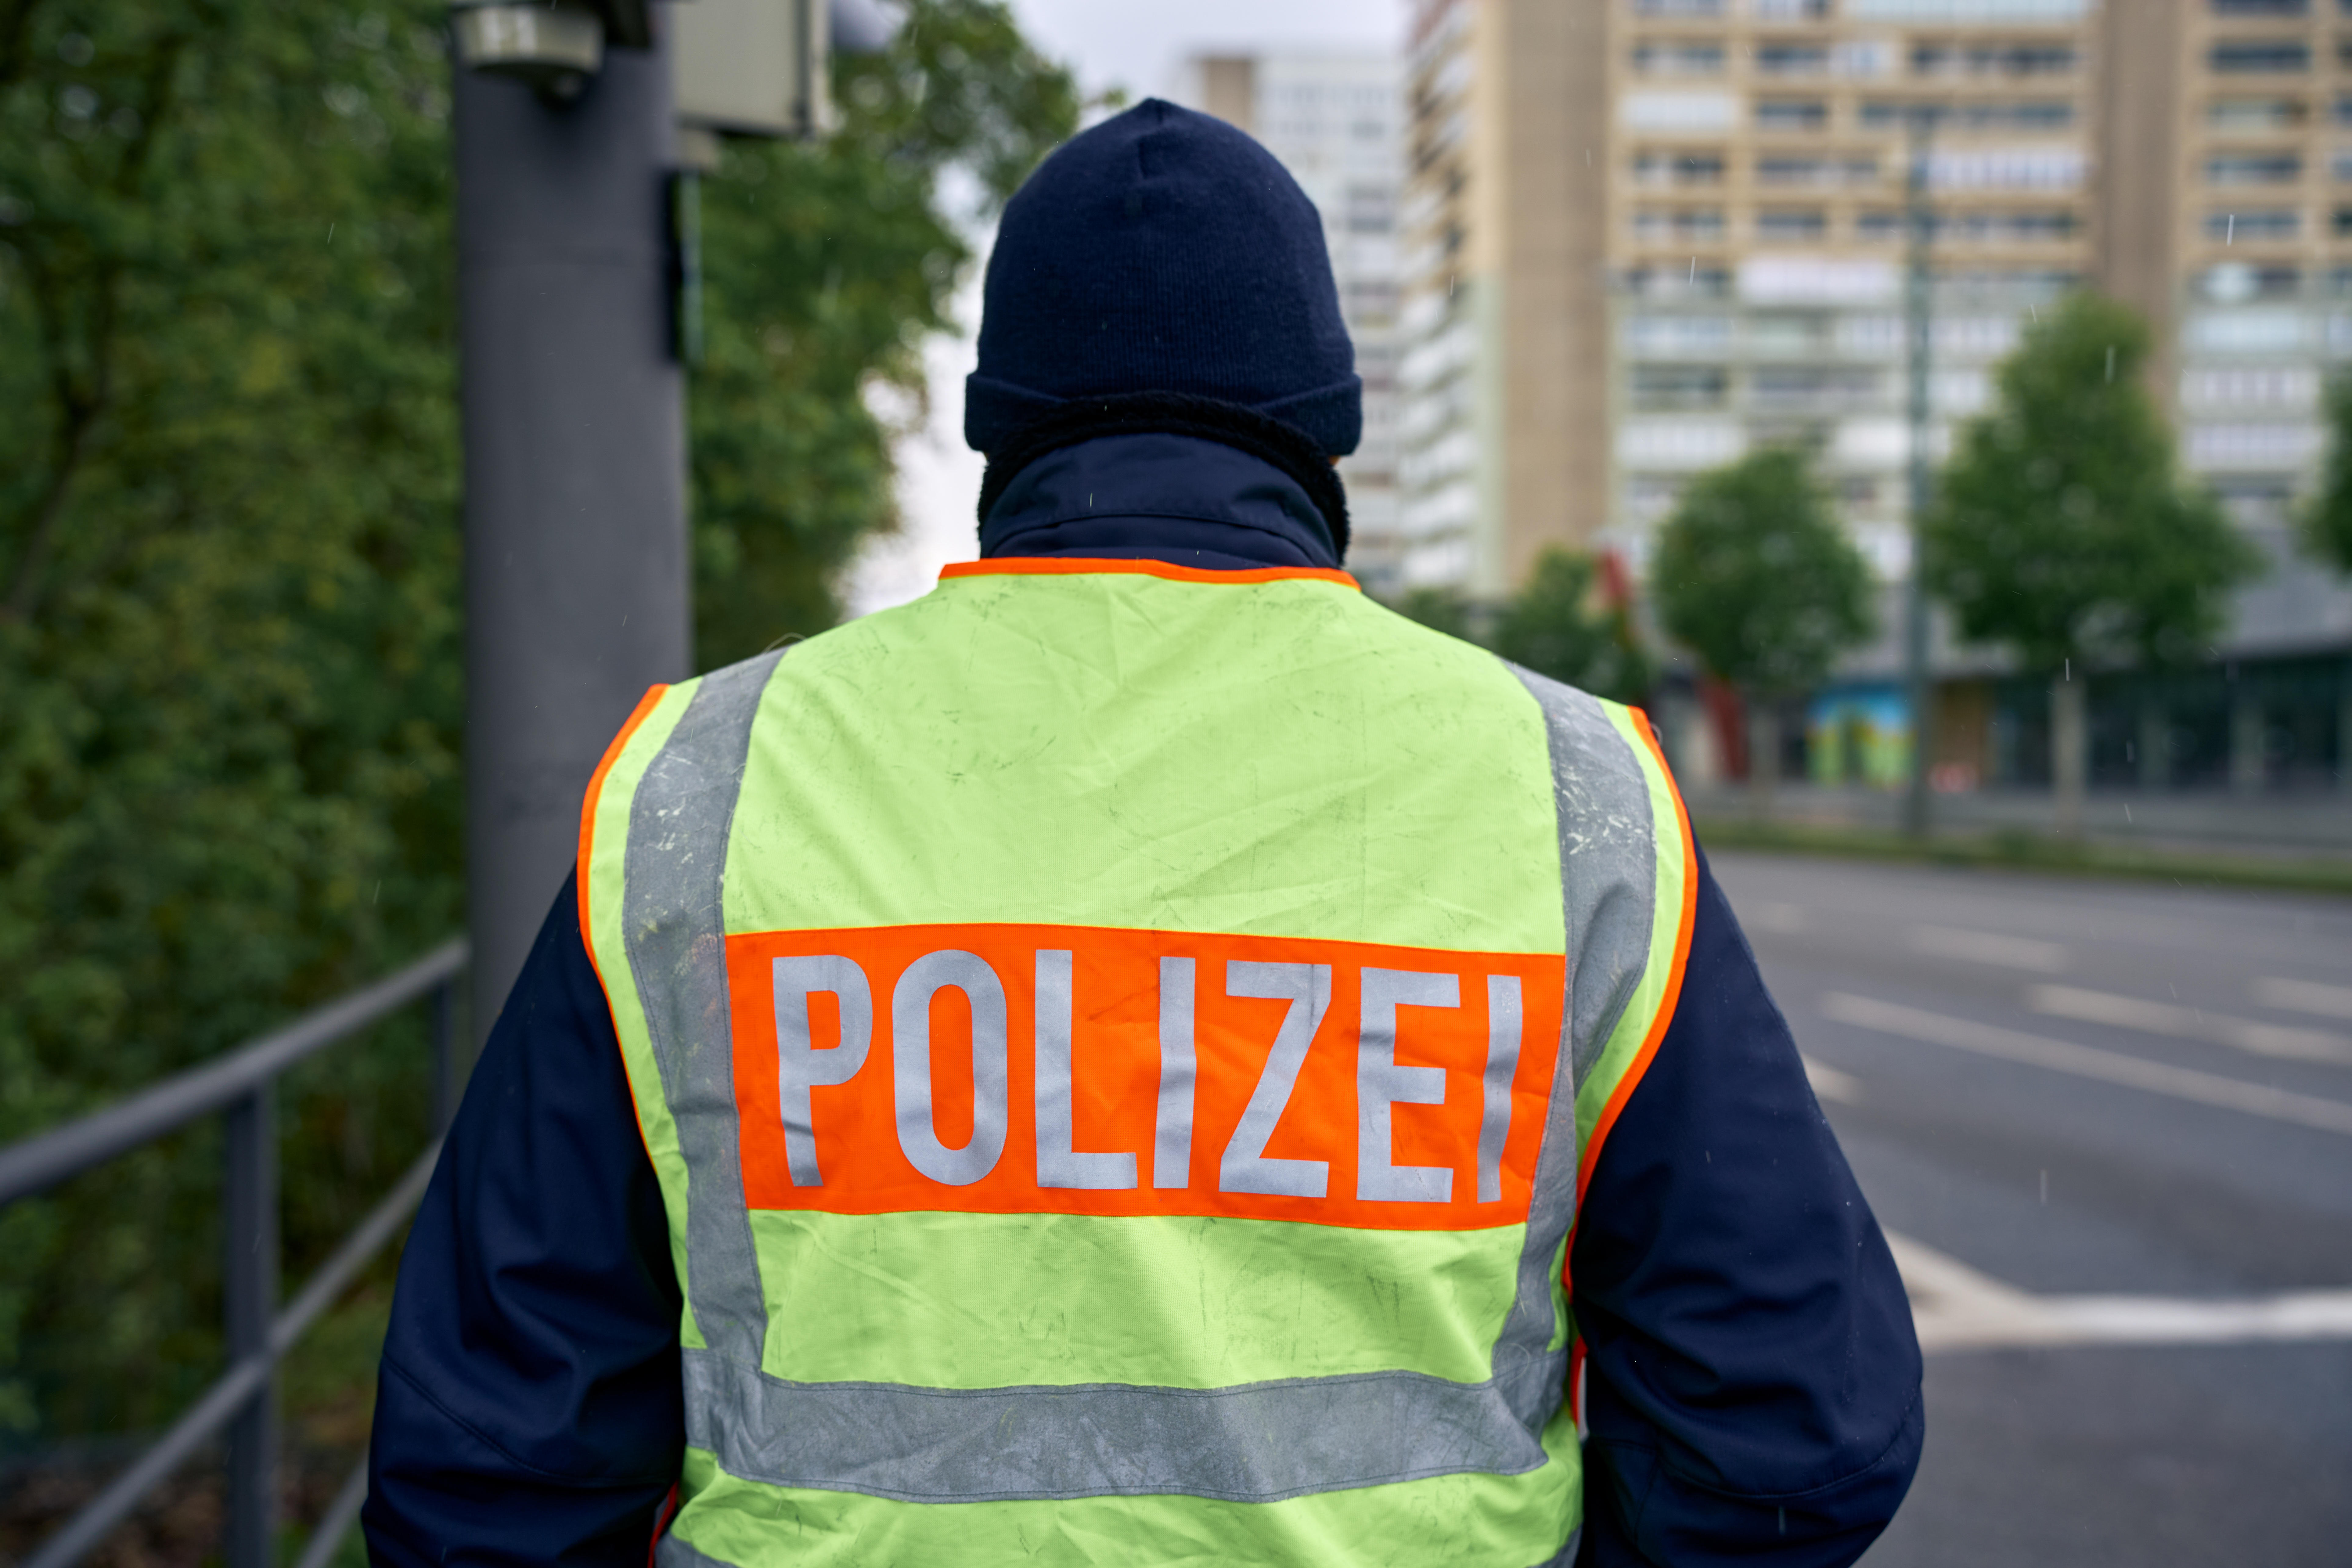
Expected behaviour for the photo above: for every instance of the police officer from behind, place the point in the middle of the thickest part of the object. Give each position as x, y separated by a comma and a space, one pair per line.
1142, 1056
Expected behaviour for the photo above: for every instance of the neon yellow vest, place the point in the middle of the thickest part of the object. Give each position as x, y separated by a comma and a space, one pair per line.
1120, 1047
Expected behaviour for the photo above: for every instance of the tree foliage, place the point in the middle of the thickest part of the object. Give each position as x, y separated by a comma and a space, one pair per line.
1560, 622
2328, 523
1754, 574
1560, 625
229, 591
2061, 527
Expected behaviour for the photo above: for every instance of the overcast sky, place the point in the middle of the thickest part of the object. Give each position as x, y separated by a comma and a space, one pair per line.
1134, 45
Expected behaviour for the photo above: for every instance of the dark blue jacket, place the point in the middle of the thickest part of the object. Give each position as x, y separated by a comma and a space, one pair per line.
1752, 1378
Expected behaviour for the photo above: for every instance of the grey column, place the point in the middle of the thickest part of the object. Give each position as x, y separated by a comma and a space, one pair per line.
576, 587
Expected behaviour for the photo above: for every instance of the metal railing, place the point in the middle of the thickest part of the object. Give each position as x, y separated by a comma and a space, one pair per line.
242, 1086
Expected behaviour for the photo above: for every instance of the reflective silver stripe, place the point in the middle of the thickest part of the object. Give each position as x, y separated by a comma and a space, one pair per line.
1256, 1442
676, 933
1608, 874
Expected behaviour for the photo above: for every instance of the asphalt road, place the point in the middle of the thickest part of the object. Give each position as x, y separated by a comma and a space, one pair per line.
2108, 1126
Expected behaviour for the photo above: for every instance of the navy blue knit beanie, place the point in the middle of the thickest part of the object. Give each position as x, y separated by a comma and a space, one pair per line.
1164, 251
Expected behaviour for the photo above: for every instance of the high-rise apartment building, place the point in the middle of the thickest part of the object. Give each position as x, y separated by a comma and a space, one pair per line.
1645, 237
1336, 121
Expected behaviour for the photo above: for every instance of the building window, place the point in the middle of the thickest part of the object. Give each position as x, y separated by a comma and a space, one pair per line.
1992, 60
1792, 59
1678, 225
2248, 56
2258, 224
1655, 167
1792, 225
1812, 385
1847, 171
1678, 59
1792, 114
2253, 169
1680, 385
1972, 114
2254, 114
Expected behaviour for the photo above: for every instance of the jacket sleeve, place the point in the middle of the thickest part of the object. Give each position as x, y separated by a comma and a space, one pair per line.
528, 1407
1751, 1376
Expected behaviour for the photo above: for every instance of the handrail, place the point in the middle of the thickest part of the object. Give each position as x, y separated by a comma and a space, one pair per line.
243, 1084
47, 1158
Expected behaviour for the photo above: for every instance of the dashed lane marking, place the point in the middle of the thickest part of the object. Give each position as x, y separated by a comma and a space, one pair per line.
2191, 1024
2089, 1061
1955, 1308
1990, 947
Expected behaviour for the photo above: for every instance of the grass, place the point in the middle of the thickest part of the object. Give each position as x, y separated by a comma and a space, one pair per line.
2020, 851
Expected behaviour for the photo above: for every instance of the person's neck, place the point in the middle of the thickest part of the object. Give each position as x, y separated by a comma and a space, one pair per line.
1180, 499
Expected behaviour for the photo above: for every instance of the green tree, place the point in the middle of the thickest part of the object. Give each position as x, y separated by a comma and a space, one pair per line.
230, 686
2328, 523
1754, 574
2062, 528
1558, 625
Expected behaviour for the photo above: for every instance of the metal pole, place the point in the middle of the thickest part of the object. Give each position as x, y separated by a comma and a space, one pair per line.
1919, 282
576, 587
249, 1290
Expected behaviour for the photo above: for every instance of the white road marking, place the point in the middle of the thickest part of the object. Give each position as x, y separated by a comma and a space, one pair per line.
1955, 1308
2088, 1061
1989, 947
2305, 996
1828, 1083
2191, 1024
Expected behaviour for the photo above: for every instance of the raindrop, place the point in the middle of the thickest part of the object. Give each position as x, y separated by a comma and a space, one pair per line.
2231, 238
78, 103
75, 49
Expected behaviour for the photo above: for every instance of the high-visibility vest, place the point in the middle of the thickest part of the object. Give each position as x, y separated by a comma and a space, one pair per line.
1121, 1047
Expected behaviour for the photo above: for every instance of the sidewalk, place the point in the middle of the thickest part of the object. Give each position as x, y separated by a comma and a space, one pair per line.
2256, 824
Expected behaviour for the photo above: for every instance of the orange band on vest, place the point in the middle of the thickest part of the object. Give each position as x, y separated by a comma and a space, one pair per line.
1089, 566
1079, 1069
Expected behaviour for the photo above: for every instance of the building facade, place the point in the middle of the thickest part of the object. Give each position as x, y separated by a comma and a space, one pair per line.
1336, 121
1642, 238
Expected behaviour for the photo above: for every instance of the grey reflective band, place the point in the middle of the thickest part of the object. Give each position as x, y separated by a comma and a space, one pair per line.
676, 934
1608, 876
1255, 1442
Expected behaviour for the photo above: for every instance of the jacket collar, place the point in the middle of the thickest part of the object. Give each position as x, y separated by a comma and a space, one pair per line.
1151, 497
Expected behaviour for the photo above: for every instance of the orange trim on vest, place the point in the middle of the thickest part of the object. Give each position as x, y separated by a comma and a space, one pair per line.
1014, 1068
587, 846
1089, 566
1674, 987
